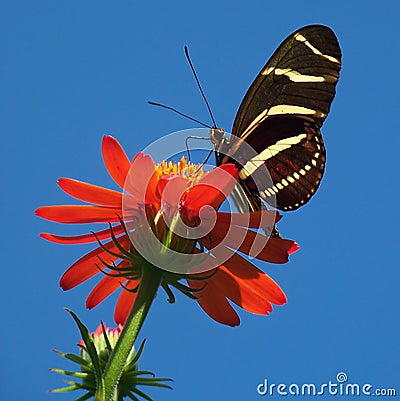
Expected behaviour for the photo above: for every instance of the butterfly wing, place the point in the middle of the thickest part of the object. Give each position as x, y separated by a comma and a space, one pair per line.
280, 118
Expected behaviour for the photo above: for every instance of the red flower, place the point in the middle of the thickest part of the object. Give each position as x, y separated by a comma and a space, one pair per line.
112, 334
159, 202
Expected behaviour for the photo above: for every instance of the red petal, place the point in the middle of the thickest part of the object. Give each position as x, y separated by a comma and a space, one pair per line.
115, 159
142, 180
90, 193
295, 247
104, 288
273, 250
244, 293
214, 303
125, 303
82, 239
85, 267
79, 214
259, 219
171, 189
212, 189
248, 275
214, 176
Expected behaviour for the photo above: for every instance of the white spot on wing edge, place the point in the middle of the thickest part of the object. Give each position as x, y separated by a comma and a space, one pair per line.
301, 38
268, 71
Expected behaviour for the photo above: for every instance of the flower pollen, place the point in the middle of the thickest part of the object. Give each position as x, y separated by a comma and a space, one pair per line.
190, 171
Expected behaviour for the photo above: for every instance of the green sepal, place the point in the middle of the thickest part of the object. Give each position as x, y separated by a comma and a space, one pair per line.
92, 352
142, 394
74, 358
81, 375
140, 372
117, 255
106, 340
132, 290
138, 354
132, 397
154, 382
85, 397
202, 277
184, 289
171, 296
116, 242
66, 389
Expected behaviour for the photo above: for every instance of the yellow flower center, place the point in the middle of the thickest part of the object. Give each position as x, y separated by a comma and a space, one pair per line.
192, 172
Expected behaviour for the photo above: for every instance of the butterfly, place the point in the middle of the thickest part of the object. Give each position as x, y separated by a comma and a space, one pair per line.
276, 141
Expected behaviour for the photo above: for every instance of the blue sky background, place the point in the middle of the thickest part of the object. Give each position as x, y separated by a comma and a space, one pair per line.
72, 71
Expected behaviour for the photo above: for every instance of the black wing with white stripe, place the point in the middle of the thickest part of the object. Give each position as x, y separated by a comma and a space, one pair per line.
280, 117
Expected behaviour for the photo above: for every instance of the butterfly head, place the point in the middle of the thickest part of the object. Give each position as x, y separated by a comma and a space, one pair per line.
217, 135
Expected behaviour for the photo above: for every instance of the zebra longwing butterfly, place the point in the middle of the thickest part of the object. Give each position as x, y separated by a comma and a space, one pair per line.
280, 118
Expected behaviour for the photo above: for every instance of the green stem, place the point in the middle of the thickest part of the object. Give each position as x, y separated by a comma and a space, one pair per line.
115, 395
150, 281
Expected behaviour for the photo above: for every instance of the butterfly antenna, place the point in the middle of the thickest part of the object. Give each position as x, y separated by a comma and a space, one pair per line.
199, 86
178, 112
209, 155
204, 162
